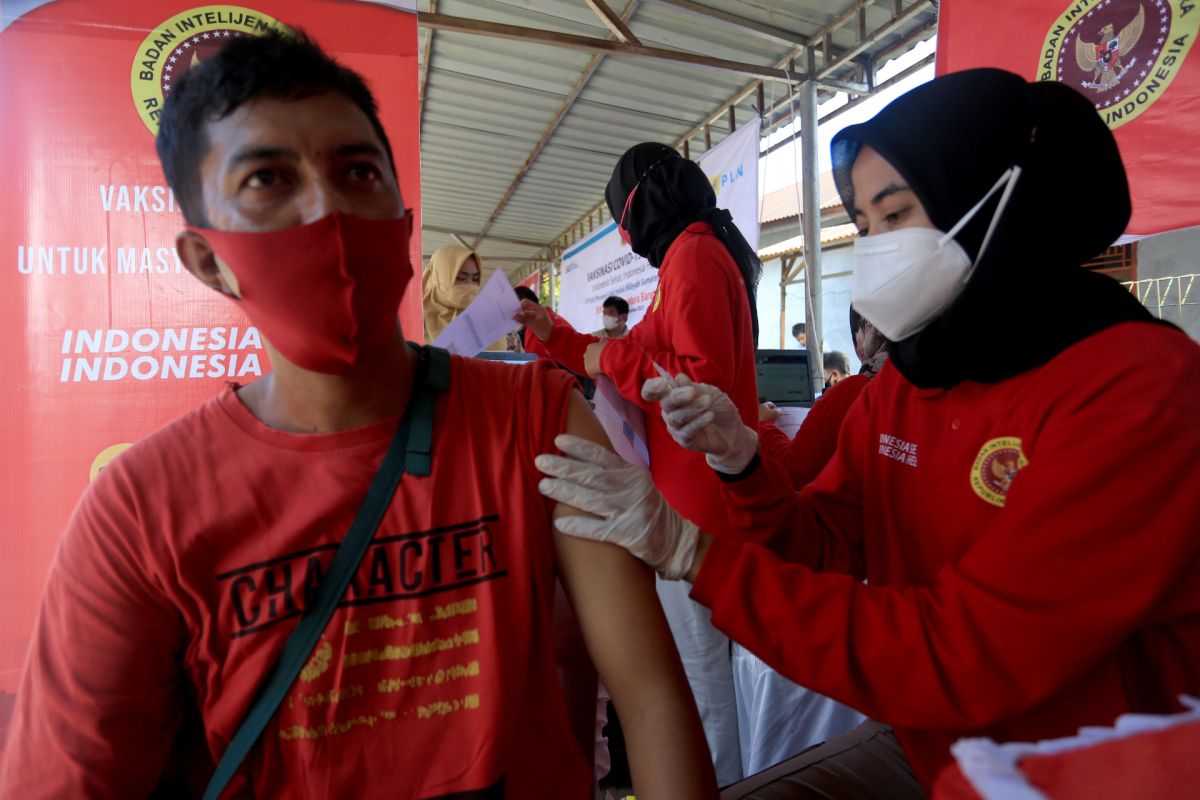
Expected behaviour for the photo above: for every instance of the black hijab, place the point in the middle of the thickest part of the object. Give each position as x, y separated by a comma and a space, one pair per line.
673, 193
1027, 300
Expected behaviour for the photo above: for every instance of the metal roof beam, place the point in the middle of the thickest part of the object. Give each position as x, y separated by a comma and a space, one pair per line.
489, 237
892, 81
443, 22
613, 22
512, 260
778, 114
588, 71
769, 31
872, 38
857, 13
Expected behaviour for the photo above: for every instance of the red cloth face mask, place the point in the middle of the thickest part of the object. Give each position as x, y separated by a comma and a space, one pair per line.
326, 293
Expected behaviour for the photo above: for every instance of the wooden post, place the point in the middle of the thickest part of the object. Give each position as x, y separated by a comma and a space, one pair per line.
732, 119
687, 151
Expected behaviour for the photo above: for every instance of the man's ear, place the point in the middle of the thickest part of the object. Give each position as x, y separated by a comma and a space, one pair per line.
198, 256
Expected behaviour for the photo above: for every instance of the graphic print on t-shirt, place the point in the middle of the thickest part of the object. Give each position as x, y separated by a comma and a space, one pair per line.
406, 565
409, 648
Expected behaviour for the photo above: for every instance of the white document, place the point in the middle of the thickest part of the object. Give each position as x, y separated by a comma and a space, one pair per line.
488, 318
790, 419
624, 423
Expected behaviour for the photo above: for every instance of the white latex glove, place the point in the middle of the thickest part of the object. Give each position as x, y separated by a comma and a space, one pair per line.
632, 512
701, 417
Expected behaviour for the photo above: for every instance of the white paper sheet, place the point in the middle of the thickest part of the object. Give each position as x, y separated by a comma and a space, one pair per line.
790, 419
624, 423
488, 318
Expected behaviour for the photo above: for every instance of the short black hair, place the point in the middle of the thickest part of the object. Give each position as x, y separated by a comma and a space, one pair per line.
836, 360
277, 64
618, 303
525, 293
798, 328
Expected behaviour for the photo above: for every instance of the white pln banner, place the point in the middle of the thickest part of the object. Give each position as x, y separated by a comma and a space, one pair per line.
602, 265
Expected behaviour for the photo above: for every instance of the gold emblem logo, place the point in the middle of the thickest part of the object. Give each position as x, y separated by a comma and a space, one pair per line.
105, 458
1122, 54
182, 42
995, 467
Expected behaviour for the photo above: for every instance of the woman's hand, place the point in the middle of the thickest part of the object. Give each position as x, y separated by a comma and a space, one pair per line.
631, 511
768, 412
701, 417
535, 318
591, 359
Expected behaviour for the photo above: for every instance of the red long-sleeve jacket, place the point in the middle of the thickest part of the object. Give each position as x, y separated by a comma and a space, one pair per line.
1030, 550
698, 324
815, 443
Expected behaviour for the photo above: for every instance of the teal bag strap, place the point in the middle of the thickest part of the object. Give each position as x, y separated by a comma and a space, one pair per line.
411, 451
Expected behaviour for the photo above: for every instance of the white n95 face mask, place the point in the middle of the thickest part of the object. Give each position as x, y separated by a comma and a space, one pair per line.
904, 279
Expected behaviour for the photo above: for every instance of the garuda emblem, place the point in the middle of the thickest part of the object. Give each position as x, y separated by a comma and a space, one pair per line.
1103, 59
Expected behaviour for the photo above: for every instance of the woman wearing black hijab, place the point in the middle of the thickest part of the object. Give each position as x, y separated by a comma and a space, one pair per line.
702, 323
1017, 487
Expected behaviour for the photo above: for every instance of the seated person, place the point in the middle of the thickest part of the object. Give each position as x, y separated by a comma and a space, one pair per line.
837, 367
189, 561
449, 284
804, 456
616, 319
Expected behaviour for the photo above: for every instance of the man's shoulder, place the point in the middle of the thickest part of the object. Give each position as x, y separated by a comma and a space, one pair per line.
168, 452
494, 384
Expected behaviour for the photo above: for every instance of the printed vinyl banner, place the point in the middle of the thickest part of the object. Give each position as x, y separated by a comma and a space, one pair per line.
1132, 58
106, 336
602, 265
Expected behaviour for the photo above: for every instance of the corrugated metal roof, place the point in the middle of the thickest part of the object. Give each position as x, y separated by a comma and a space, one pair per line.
834, 234
488, 101
784, 203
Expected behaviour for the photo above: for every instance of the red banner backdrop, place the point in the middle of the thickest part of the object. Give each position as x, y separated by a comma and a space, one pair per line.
106, 336
1131, 58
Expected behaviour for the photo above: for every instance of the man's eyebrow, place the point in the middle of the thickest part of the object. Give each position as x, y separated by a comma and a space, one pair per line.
888, 191
360, 148
261, 154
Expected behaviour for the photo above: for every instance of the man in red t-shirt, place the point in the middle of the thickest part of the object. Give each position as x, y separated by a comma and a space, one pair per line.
189, 561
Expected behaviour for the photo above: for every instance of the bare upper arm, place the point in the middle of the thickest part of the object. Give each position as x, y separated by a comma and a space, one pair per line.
611, 591
614, 598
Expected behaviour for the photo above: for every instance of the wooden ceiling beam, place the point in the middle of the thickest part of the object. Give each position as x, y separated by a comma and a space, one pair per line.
568, 103
476, 27
768, 31
613, 22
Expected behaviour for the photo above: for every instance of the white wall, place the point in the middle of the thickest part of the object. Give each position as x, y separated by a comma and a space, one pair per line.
835, 304
1168, 254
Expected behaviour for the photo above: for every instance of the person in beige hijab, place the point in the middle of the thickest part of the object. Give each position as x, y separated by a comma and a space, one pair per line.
450, 283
